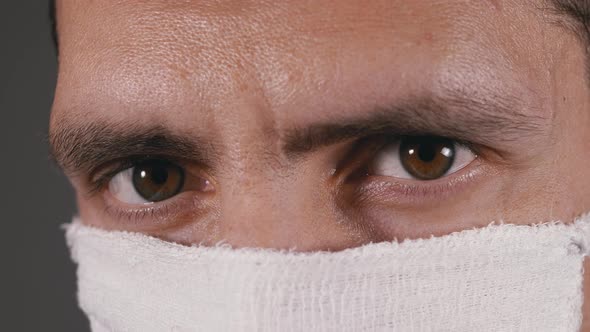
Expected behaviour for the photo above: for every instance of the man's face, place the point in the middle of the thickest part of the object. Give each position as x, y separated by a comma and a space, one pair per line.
320, 124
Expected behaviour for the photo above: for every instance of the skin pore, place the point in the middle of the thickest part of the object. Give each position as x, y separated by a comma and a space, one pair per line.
285, 118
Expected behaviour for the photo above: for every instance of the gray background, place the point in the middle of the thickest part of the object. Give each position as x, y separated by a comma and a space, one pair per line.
38, 283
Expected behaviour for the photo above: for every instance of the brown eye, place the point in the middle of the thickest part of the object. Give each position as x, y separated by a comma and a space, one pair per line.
421, 158
148, 182
157, 180
427, 158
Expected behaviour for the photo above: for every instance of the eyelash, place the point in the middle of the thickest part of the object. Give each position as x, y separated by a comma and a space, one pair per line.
383, 190
153, 212
102, 175
166, 213
368, 147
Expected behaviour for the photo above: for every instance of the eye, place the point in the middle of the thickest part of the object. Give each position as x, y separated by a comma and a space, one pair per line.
421, 158
147, 182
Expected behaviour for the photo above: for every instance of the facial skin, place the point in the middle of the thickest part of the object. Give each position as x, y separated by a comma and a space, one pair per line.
277, 113
242, 86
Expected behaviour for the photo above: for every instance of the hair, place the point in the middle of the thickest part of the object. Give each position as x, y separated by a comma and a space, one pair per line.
53, 22
577, 14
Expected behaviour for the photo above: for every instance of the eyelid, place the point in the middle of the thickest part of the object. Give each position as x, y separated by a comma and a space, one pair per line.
356, 183
356, 161
102, 175
385, 190
183, 207
99, 177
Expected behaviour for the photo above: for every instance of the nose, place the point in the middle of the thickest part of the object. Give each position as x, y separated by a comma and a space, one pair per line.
296, 211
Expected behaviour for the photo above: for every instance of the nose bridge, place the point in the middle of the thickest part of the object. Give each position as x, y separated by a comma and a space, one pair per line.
267, 200
259, 207
281, 212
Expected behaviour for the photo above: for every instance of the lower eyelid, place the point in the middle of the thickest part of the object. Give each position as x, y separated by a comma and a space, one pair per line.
181, 209
403, 192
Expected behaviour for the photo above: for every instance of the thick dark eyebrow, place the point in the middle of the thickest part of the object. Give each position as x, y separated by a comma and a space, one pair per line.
489, 123
80, 148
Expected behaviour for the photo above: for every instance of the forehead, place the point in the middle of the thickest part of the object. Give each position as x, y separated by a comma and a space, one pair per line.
302, 58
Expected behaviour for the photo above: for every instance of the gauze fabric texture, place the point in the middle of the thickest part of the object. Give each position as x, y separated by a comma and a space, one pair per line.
497, 278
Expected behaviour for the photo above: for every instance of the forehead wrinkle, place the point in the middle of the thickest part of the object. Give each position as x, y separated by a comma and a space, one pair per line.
167, 53
162, 31
381, 61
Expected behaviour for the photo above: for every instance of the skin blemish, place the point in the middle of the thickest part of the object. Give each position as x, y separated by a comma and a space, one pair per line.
427, 38
496, 4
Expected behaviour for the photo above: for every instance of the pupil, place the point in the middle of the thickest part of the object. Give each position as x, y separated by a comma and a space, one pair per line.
157, 180
159, 174
427, 157
427, 152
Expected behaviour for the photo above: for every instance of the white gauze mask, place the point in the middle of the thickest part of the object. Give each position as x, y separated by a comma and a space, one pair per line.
497, 278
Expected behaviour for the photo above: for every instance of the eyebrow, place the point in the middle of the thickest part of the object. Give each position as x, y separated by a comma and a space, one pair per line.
490, 122
81, 148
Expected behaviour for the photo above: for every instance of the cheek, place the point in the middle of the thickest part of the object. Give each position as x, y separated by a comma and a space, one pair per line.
517, 197
88, 213
470, 205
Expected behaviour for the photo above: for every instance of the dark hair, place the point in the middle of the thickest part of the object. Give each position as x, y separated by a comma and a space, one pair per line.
53, 22
577, 17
